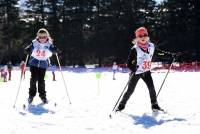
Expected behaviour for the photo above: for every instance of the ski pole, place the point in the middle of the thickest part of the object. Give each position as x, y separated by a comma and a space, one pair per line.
21, 80
121, 94
63, 78
165, 77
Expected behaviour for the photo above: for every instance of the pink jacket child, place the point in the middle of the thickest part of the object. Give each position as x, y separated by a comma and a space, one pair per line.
4, 73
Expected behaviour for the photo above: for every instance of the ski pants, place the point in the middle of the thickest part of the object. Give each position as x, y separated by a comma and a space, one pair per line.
37, 75
9, 74
147, 78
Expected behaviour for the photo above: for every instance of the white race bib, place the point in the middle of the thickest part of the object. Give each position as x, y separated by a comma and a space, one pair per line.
41, 52
144, 59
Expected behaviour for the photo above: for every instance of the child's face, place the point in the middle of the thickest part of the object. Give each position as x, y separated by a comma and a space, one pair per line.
42, 38
143, 38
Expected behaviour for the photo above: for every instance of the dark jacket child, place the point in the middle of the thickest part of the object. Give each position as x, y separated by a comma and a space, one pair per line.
139, 62
40, 50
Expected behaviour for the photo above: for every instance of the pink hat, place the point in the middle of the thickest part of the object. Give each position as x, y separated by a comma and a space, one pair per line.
141, 31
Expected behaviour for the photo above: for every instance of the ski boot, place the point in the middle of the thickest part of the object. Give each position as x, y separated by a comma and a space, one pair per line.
44, 100
120, 107
30, 99
156, 108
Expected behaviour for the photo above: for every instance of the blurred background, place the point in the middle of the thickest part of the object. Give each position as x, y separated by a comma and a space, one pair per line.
99, 31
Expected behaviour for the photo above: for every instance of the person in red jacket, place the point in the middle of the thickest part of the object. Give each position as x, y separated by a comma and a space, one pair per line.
4, 73
23, 69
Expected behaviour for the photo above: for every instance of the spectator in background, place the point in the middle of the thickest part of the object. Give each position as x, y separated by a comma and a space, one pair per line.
23, 69
53, 69
4, 73
114, 68
9, 65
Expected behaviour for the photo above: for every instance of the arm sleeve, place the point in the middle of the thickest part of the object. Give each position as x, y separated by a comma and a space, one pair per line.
132, 60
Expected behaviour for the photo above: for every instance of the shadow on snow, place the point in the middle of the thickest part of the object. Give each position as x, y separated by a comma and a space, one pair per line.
39, 109
149, 121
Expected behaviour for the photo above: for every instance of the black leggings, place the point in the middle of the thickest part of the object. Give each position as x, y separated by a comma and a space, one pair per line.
133, 82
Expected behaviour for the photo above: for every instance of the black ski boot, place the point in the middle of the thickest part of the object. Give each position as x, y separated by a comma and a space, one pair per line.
44, 100
156, 107
120, 107
30, 99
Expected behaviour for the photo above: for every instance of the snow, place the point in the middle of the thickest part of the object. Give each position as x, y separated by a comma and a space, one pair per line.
93, 100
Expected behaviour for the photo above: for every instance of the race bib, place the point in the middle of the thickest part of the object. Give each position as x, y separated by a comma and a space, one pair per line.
41, 53
146, 65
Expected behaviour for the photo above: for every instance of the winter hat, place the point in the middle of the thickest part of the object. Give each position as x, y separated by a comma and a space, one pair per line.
141, 31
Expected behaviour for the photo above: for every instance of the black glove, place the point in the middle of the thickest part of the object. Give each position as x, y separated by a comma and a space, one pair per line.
28, 49
135, 68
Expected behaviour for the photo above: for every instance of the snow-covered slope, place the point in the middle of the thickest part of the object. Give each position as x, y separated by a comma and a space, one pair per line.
92, 102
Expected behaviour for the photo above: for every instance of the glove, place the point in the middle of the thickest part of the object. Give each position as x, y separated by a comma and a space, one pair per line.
134, 69
28, 49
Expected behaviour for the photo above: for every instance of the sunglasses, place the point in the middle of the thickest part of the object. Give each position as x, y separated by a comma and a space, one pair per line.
143, 35
42, 37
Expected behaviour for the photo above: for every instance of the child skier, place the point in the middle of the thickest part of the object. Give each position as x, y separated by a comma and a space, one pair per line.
40, 50
139, 62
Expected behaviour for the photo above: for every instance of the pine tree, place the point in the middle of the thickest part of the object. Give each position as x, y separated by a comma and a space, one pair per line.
9, 14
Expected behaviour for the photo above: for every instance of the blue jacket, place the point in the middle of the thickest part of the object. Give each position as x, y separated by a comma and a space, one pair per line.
40, 53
